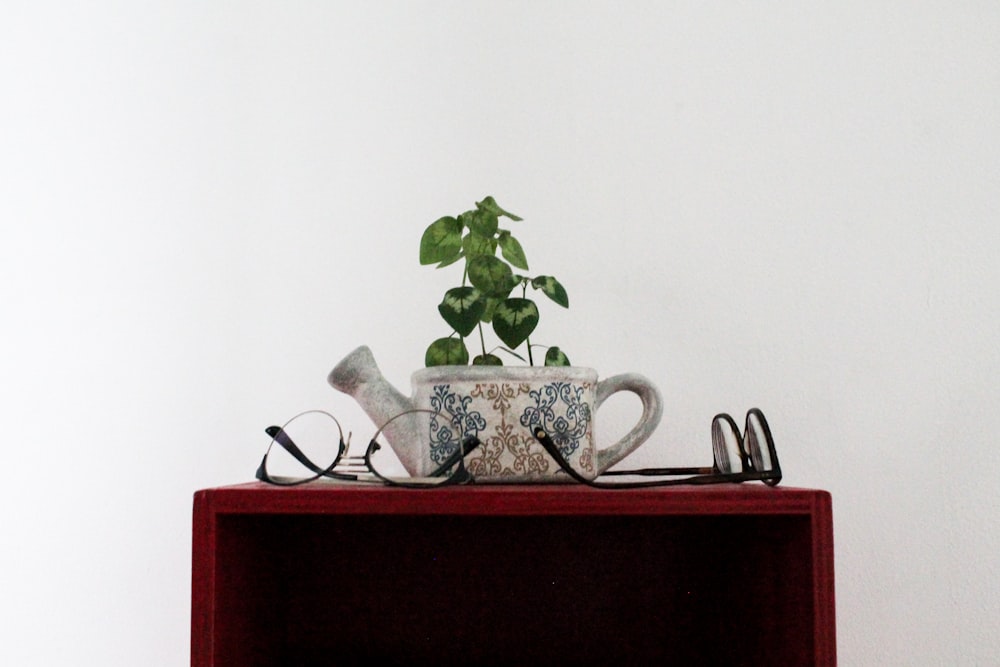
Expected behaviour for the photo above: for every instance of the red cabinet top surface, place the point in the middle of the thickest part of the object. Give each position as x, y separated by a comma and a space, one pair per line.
511, 499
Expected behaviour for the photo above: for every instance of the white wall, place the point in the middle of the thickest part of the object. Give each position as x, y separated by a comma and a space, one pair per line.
783, 204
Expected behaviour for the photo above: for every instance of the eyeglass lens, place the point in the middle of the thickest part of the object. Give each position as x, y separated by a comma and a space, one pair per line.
306, 447
386, 466
761, 445
727, 445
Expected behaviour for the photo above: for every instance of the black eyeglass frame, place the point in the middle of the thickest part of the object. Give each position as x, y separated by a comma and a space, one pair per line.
749, 451
280, 437
443, 475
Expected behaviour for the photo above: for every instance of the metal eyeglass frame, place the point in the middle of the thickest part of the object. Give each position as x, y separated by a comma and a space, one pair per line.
349, 468
757, 462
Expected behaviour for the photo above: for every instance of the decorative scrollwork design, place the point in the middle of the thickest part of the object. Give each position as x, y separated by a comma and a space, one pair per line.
560, 409
453, 423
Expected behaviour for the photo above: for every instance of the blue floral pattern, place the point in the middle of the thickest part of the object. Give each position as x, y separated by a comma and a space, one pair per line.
453, 422
560, 409
492, 411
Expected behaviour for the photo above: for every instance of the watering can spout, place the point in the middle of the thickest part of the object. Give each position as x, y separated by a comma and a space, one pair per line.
358, 376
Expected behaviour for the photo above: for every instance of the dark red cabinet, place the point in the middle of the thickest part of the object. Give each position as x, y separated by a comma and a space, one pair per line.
508, 575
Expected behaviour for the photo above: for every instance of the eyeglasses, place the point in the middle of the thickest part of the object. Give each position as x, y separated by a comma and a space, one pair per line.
321, 436
316, 435
754, 449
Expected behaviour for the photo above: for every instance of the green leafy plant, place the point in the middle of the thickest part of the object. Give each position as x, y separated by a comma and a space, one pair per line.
488, 293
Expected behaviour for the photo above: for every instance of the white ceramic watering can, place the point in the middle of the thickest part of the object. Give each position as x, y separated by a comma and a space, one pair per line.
500, 405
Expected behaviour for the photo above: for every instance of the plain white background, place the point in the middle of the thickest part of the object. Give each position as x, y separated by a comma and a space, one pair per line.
205, 205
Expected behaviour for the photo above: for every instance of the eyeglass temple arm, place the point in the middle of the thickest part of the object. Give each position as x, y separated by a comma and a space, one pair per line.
710, 470
279, 436
543, 438
711, 477
467, 445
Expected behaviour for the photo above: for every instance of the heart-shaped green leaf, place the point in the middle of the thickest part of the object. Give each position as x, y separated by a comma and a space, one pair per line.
441, 241
555, 357
552, 289
473, 244
491, 307
487, 360
514, 320
461, 308
481, 221
451, 260
447, 352
490, 275
512, 250
490, 204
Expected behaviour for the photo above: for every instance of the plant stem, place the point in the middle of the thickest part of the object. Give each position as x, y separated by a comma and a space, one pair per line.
524, 294
482, 340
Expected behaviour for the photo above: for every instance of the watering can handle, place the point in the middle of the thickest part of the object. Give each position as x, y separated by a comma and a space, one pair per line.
652, 411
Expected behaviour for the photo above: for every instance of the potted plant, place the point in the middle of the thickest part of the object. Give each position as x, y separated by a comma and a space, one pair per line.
488, 293
500, 405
